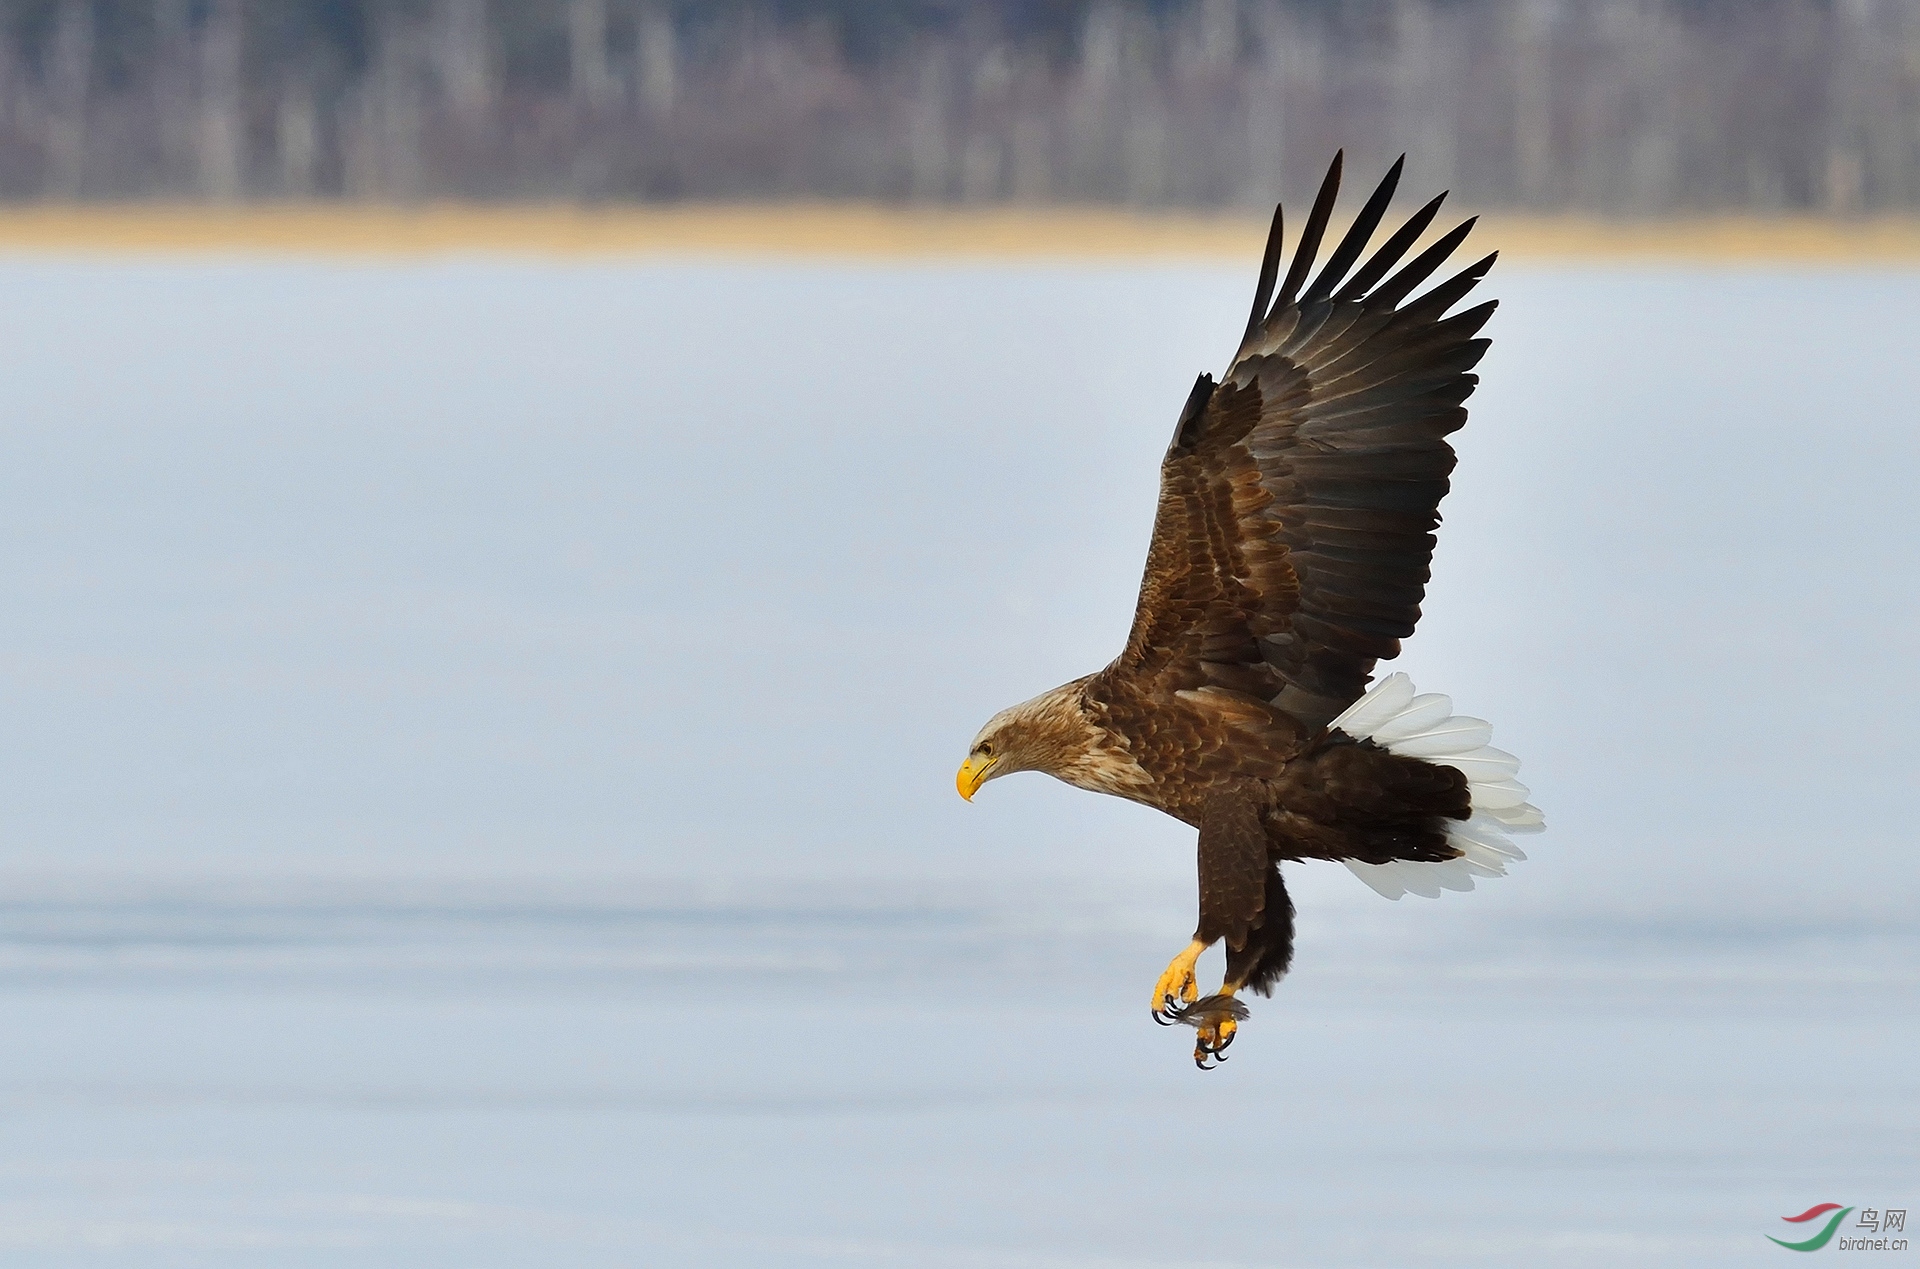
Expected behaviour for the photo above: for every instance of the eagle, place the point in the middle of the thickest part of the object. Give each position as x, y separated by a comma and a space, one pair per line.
1290, 552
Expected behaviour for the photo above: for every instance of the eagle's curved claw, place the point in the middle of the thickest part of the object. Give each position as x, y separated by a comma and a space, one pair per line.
1217, 1019
1177, 983
1213, 1044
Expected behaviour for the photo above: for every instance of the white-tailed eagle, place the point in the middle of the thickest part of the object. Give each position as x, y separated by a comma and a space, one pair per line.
1298, 503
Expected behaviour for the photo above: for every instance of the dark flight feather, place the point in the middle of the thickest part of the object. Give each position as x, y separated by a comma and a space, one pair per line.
1269, 270
1310, 236
1356, 240
1394, 248
1298, 507
1401, 284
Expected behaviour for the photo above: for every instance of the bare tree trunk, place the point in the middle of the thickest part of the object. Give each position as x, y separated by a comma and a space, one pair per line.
657, 56
174, 106
1658, 55
1424, 71
402, 58
592, 82
983, 158
1532, 102
1296, 68
222, 127
69, 84
1031, 159
1886, 143
928, 142
463, 60
1094, 103
1148, 137
1845, 167
297, 132
382, 145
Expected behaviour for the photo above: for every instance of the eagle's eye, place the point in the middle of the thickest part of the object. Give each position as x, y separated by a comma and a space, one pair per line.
986, 749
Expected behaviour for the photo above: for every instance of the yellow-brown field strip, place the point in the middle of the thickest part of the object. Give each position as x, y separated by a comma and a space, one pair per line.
879, 232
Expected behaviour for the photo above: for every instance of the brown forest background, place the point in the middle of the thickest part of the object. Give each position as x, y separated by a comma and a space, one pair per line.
1635, 107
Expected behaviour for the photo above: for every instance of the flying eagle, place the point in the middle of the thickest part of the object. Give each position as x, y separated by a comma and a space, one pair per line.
1290, 553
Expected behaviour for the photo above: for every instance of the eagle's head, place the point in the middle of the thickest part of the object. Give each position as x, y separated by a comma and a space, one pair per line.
1054, 733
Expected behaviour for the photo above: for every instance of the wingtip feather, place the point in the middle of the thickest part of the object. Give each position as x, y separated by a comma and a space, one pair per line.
1316, 228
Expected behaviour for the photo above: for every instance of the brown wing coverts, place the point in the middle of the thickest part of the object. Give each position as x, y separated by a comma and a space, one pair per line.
1298, 500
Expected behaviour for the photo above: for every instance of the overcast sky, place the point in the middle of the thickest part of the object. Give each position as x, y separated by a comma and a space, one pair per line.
712, 570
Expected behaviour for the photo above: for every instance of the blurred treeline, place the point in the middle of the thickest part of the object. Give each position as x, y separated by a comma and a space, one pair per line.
1614, 106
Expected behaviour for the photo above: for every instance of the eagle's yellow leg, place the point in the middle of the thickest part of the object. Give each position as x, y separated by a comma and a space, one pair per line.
1177, 982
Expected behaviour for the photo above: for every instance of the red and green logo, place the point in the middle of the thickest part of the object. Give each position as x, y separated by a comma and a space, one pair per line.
1820, 1239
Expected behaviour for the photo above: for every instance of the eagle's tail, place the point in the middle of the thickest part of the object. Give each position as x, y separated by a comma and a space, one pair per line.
1425, 727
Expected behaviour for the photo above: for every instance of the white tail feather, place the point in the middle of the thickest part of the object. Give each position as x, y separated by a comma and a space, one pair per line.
1485, 763
1521, 819
1427, 711
1483, 832
1498, 795
1425, 727
1456, 735
1482, 862
1424, 882
1383, 700
1377, 876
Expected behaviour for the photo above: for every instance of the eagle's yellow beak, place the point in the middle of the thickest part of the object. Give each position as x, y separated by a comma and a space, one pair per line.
973, 774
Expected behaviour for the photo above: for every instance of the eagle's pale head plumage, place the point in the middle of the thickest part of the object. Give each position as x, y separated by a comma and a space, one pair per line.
1054, 733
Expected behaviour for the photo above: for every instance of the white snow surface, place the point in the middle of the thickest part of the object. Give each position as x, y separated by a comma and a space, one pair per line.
477, 780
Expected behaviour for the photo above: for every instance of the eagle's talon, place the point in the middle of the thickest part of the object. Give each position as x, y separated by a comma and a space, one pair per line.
1177, 981
1217, 1020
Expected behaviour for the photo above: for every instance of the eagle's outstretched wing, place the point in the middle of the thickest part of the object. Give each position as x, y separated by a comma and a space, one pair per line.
1298, 498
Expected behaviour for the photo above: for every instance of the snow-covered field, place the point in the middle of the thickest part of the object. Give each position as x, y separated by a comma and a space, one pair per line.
476, 781
404, 1076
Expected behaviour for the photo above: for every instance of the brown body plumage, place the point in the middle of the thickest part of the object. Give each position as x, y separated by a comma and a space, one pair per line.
1290, 553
